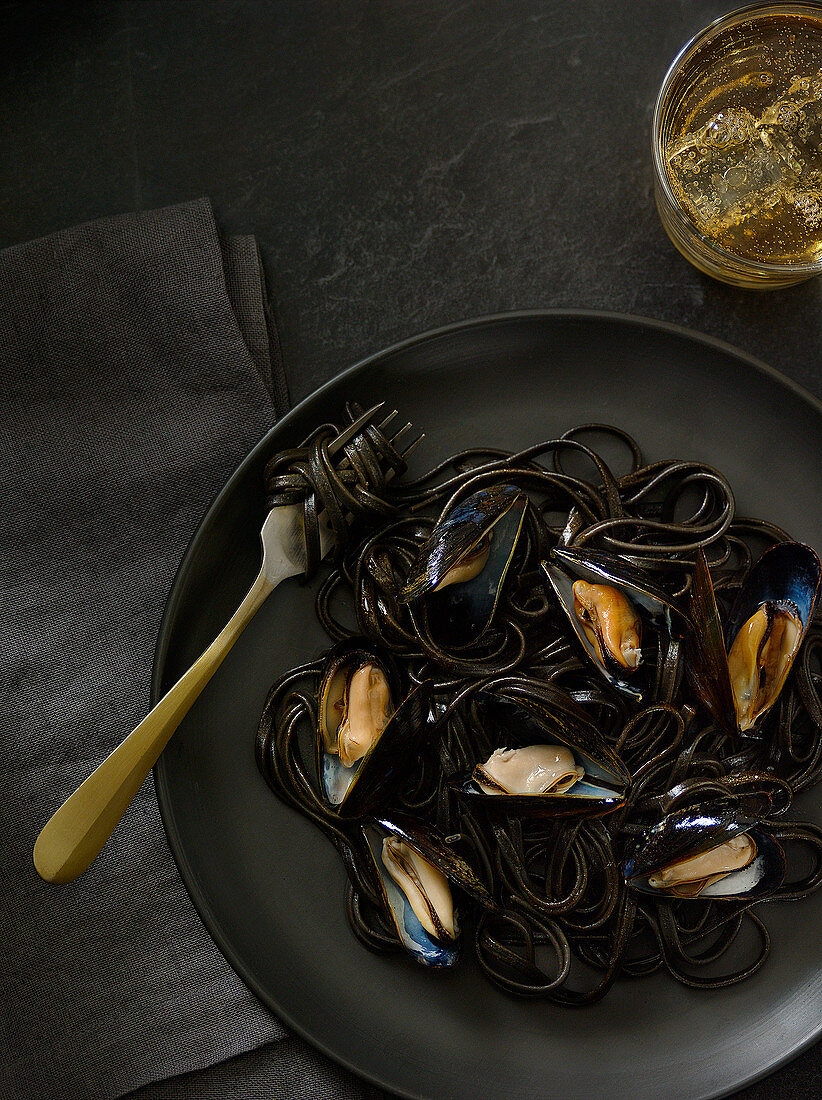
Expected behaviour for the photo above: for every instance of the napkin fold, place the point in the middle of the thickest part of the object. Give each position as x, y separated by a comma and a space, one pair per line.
138, 368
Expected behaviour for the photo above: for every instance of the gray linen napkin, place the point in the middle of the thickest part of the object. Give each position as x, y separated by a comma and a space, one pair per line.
289, 1068
136, 374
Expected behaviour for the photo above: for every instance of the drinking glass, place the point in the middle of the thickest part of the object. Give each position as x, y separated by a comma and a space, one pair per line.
737, 146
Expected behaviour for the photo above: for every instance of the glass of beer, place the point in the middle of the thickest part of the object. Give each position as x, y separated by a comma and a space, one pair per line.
737, 146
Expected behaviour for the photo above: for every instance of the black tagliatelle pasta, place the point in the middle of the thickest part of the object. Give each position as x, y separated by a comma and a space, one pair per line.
556, 917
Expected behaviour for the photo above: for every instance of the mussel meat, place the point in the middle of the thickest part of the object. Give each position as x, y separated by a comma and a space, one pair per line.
687, 878
461, 568
760, 659
533, 769
359, 703
364, 738
610, 621
712, 851
469, 566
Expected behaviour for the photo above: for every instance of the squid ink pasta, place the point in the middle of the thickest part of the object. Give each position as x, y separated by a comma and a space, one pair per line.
562, 714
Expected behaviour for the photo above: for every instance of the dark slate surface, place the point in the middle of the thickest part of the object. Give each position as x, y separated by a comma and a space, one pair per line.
404, 164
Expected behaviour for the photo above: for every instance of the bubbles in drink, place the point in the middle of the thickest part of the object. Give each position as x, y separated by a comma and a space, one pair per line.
718, 170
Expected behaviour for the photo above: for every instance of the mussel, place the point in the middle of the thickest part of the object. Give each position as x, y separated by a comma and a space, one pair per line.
711, 851
739, 677
366, 738
553, 762
416, 871
461, 568
606, 600
767, 624
756, 794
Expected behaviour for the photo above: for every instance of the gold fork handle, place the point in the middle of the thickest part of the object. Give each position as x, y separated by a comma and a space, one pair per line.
77, 831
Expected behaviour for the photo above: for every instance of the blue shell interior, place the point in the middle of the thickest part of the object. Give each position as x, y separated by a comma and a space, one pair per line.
786, 572
579, 790
336, 778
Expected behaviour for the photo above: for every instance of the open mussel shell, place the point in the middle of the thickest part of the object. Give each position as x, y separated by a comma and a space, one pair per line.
688, 833
739, 684
707, 658
755, 794
357, 789
782, 589
483, 528
552, 718
787, 573
760, 794
439, 944
649, 602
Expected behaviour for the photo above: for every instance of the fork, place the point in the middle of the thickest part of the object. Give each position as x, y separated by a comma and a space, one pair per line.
75, 834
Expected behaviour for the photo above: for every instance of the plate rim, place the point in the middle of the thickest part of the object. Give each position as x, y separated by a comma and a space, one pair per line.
211, 923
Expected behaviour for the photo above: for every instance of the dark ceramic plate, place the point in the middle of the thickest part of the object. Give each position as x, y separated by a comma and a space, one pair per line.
270, 888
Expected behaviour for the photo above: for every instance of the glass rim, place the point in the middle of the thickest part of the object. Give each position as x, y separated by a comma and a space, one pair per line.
698, 39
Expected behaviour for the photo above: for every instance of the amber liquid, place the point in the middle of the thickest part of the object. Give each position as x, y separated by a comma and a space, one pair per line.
743, 150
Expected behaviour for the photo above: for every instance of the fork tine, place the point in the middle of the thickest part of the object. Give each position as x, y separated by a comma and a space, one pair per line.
337, 444
344, 437
399, 434
412, 446
404, 454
